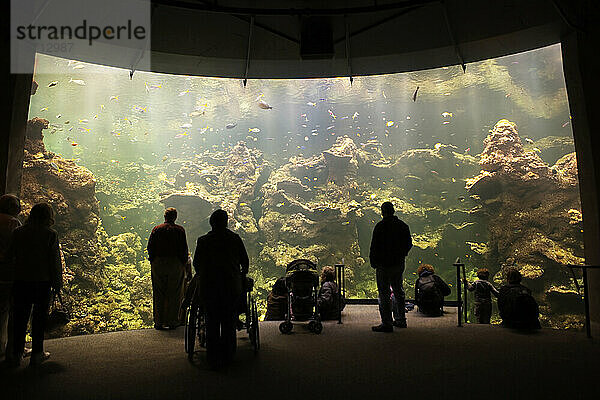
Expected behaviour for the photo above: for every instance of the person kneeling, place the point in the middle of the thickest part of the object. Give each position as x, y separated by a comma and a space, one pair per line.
430, 290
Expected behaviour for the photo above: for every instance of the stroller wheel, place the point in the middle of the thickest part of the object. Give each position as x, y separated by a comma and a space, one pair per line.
285, 327
311, 326
317, 327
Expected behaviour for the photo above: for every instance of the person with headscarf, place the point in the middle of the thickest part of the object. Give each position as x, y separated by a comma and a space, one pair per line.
35, 253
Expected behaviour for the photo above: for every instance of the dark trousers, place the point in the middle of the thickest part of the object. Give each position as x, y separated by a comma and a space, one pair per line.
385, 279
221, 338
483, 311
28, 295
168, 274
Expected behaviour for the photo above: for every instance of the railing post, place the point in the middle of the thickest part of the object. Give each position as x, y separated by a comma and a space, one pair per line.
340, 273
466, 307
458, 264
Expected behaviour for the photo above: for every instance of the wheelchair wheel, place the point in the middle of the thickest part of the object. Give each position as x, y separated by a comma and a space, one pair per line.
190, 332
285, 327
317, 328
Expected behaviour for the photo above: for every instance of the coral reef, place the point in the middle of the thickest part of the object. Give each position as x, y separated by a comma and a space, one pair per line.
533, 216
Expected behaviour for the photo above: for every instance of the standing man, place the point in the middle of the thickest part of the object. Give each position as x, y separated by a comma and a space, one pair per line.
168, 255
221, 261
390, 244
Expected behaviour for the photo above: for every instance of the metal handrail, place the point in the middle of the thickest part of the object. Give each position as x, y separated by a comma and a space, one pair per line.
458, 264
586, 298
341, 282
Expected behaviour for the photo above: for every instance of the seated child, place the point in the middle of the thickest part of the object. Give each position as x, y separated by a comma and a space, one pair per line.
277, 301
328, 299
483, 298
430, 290
518, 308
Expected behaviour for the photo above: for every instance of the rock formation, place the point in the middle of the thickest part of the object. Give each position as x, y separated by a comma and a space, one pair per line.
533, 216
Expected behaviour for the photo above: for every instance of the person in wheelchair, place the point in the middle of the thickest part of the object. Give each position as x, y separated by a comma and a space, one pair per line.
220, 261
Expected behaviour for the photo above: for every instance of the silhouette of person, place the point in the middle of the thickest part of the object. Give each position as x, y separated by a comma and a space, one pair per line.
35, 252
516, 305
328, 298
168, 255
390, 244
10, 207
430, 291
221, 261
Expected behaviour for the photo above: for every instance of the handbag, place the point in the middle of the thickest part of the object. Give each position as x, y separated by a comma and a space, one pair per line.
58, 316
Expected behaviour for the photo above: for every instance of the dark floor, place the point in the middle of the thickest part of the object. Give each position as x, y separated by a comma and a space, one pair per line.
431, 359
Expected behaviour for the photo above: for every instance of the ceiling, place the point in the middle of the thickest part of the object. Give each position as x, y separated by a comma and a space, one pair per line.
261, 39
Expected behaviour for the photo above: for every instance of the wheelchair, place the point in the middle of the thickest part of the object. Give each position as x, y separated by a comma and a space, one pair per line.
195, 319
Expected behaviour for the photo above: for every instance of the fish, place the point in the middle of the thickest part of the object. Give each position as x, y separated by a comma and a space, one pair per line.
355, 115
306, 138
311, 104
78, 66
53, 83
116, 98
254, 130
475, 197
461, 198
332, 114
59, 115
330, 127
115, 133
202, 130
77, 81
383, 94
185, 126
74, 144
447, 94
150, 87
437, 146
468, 149
389, 123
414, 97
82, 129
95, 116
280, 204
139, 109
445, 122
128, 120
264, 105
530, 141
447, 114
184, 92
565, 124
84, 121
44, 109
346, 223
231, 125
413, 177
180, 135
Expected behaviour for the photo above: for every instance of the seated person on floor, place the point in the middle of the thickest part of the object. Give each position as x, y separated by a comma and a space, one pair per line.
430, 290
518, 308
328, 299
277, 301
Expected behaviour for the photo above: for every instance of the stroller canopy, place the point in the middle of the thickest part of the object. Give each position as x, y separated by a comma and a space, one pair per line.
301, 264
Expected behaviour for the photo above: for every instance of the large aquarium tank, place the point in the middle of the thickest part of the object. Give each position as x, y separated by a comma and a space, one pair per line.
480, 164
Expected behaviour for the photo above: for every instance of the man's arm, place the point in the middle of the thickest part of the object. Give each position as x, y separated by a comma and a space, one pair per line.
493, 289
444, 288
244, 260
373, 256
407, 239
183, 247
198, 256
151, 245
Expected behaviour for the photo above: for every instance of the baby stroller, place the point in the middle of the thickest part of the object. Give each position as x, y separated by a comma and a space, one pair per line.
302, 282
195, 320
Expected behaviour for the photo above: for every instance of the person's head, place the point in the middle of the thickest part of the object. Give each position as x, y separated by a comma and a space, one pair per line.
218, 219
279, 287
41, 214
387, 209
10, 204
483, 273
425, 267
513, 276
327, 274
170, 215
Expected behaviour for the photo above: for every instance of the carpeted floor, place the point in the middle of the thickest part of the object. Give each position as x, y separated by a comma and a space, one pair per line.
432, 359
